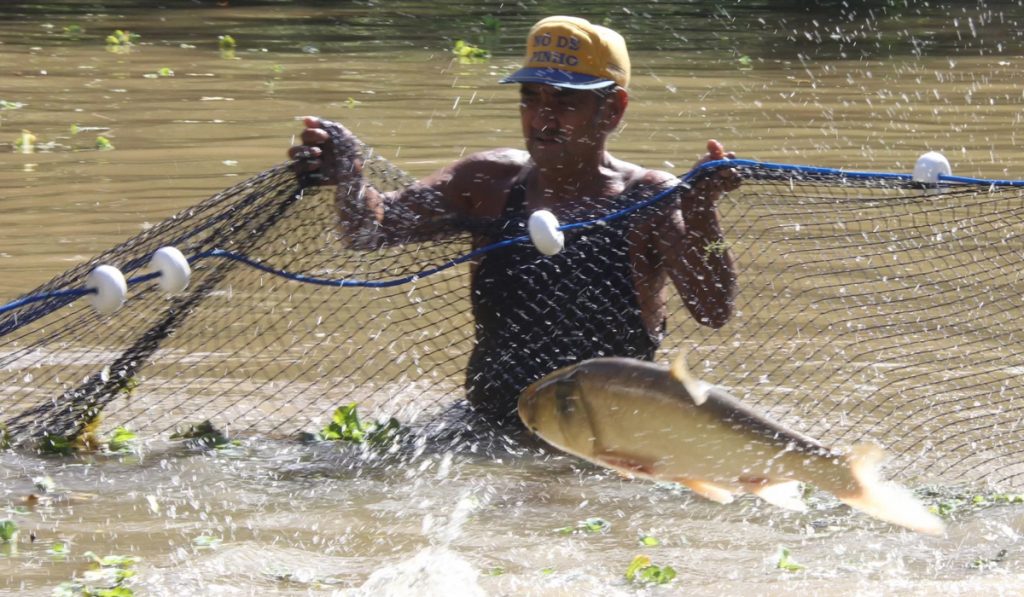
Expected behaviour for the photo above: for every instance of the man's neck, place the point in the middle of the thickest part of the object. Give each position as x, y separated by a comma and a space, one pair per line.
568, 182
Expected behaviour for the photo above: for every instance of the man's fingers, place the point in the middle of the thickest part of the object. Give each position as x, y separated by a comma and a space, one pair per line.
314, 136
304, 152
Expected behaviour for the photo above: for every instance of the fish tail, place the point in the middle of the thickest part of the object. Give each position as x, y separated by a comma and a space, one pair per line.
884, 500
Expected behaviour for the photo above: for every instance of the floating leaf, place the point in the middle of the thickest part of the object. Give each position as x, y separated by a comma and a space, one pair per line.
590, 525
468, 53
121, 440
491, 23
785, 562
649, 541
346, 426
103, 144
226, 42
26, 142
746, 62
642, 570
8, 530
122, 38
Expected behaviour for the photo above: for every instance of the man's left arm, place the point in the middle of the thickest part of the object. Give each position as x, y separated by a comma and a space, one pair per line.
692, 249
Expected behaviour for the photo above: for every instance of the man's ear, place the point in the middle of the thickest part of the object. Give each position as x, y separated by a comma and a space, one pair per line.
617, 102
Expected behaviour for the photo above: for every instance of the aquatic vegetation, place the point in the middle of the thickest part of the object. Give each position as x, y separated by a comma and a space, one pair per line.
73, 31
163, 72
649, 541
121, 41
948, 504
590, 525
346, 426
491, 23
9, 105
121, 37
103, 144
204, 435
226, 44
26, 142
107, 578
5, 437
55, 444
784, 561
980, 563
8, 530
745, 62
122, 440
642, 570
468, 53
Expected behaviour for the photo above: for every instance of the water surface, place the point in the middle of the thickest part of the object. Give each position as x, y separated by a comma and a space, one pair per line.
870, 87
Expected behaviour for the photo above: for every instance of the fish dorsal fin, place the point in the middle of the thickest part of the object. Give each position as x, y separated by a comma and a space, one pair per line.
697, 389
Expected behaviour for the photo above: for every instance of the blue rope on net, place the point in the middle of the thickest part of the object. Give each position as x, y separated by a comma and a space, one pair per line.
57, 299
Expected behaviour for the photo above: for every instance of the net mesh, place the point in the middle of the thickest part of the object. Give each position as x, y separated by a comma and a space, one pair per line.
869, 309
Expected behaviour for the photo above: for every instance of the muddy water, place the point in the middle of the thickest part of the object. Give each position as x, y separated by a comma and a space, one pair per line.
870, 88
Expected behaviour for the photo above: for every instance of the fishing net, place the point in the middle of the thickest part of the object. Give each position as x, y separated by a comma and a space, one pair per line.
870, 308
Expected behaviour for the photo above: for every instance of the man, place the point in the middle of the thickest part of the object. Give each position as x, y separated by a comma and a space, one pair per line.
606, 292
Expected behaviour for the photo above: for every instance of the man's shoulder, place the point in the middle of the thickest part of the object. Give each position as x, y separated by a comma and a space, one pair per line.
496, 160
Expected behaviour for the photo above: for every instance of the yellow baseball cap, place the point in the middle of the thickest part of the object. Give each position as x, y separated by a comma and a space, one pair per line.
574, 53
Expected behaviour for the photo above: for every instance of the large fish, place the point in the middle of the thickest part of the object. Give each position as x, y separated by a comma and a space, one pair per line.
661, 423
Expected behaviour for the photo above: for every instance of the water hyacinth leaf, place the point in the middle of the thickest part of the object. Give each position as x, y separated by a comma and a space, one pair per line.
25, 142
590, 525
642, 570
786, 562
121, 440
491, 23
8, 530
122, 37
468, 53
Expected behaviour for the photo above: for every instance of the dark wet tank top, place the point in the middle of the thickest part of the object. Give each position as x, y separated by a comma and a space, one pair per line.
537, 313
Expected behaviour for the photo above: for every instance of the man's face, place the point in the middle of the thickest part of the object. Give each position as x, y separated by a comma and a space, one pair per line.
559, 122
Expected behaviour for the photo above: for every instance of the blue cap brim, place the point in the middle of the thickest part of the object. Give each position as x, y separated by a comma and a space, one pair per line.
558, 78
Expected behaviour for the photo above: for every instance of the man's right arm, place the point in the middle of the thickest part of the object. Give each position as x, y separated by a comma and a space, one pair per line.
433, 207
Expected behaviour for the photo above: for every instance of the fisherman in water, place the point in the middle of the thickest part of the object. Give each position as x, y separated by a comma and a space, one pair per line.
605, 293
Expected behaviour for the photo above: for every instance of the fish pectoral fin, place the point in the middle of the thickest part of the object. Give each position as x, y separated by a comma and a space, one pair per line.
784, 494
629, 466
707, 489
697, 389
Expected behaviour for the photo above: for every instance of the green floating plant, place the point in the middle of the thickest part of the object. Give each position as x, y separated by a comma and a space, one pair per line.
122, 38
122, 440
642, 570
8, 531
786, 562
204, 435
590, 525
468, 53
103, 144
346, 426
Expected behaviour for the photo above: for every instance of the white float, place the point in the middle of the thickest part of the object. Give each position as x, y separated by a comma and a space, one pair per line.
930, 166
544, 232
110, 286
173, 267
